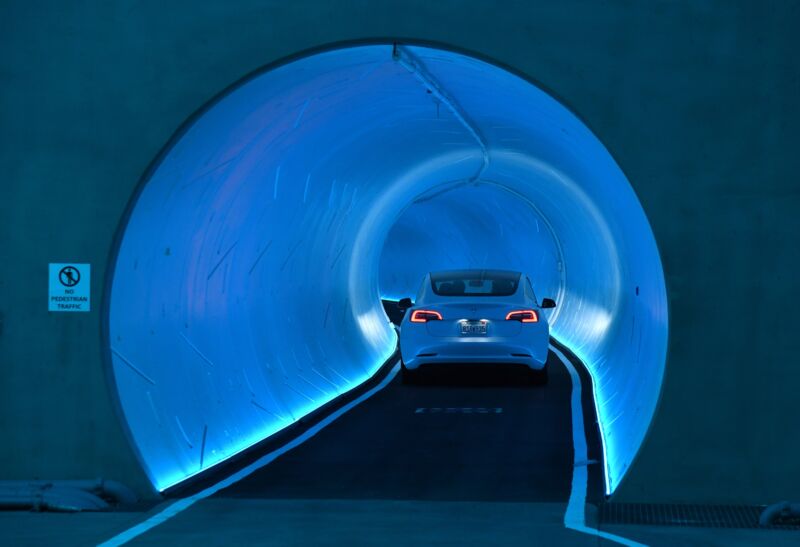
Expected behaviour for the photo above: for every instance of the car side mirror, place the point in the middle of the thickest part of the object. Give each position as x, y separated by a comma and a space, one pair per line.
548, 303
404, 304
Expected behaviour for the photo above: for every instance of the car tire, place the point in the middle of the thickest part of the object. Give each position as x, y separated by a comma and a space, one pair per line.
409, 377
540, 377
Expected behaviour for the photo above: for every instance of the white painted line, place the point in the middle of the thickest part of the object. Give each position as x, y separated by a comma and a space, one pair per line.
575, 516
184, 503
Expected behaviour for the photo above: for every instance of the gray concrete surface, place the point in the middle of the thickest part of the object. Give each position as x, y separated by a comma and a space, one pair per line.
364, 522
311, 522
697, 101
360, 522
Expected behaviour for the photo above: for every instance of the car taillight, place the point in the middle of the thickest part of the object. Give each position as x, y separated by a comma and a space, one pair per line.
524, 316
423, 316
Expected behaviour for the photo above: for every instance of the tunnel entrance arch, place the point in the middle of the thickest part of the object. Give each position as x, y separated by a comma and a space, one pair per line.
245, 289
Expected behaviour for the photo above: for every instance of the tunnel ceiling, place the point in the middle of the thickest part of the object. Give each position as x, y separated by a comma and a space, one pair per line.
478, 224
246, 288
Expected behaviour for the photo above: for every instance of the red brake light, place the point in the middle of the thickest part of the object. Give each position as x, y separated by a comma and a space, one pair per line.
423, 316
524, 316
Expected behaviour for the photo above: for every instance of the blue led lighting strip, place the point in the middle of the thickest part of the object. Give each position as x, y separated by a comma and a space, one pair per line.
182, 504
263, 435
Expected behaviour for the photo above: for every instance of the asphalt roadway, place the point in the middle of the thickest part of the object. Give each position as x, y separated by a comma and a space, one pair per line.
468, 455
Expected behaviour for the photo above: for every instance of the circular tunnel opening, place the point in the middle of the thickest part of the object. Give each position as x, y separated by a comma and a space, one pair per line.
247, 284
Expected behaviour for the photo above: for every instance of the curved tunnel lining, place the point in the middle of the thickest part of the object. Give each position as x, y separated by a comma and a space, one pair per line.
165, 212
464, 214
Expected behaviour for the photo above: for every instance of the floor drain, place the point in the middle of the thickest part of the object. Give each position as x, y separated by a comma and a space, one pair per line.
707, 516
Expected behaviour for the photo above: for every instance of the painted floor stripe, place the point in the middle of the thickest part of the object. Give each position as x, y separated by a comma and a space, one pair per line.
184, 503
575, 516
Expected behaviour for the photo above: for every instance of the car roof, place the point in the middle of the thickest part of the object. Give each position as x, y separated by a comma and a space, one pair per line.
480, 272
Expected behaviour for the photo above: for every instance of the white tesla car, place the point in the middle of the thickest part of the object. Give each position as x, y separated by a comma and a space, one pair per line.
475, 316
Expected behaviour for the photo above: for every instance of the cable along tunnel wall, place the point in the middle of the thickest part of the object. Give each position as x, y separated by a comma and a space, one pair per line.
247, 285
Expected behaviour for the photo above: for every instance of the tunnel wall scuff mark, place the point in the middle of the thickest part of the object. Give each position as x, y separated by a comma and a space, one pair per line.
247, 285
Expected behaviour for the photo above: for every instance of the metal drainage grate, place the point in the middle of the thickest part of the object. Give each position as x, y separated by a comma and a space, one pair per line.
707, 516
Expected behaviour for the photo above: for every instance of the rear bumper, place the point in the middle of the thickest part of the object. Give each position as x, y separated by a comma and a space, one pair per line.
477, 350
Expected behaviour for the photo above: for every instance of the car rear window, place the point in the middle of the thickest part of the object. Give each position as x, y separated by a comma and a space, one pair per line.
475, 283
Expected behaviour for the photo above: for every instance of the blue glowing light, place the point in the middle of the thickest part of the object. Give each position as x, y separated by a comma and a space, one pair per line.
165, 482
246, 290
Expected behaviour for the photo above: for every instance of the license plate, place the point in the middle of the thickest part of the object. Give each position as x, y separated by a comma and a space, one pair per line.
473, 327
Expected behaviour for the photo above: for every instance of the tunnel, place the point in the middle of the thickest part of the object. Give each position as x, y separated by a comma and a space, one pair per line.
247, 284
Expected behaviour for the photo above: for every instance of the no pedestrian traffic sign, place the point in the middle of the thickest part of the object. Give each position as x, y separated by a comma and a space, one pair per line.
69, 287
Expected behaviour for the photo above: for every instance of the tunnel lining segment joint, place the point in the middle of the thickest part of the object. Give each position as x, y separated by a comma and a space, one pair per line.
416, 67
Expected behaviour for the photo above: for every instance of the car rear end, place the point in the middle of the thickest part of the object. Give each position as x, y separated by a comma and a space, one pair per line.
491, 318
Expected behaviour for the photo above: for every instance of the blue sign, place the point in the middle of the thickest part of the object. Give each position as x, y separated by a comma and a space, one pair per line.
70, 287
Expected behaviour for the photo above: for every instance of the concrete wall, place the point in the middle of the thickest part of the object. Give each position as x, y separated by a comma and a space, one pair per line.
697, 102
